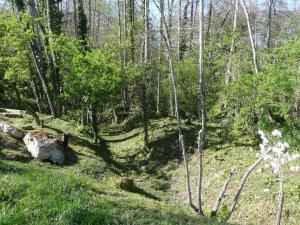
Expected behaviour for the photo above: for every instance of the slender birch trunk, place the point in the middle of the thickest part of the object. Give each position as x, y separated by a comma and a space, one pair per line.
179, 30
146, 66
170, 25
160, 59
228, 74
208, 32
191, 26
166, 37
254, 56
202, 132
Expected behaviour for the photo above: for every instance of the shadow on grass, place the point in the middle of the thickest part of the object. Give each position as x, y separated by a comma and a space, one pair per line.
145, 193
123, 139
166, 147
107, 212
10, 169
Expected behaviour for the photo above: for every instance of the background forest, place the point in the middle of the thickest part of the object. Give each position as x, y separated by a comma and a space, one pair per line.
110, 57
225, 68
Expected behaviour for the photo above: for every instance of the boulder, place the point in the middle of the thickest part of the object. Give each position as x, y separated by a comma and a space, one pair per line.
11, 130
43, 146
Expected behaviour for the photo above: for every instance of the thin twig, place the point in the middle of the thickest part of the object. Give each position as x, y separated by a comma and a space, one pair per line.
280, 198
221, 195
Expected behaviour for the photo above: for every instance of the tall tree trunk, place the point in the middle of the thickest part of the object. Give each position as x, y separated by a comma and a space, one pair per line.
183, 35
146, 67
269, 24
34, 85
202, 132
131, 31
90, 18
125, 88
160, 60
37, 54
254, 56
176, 101
82, 25
94, 21
94, 124
191, 26
170, 26
179, 30
75, 18
125, 33
54, 27
208, 32
228, 74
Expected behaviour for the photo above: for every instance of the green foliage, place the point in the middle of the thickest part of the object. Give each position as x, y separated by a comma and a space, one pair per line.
269, 97
96, 78
188, 86
13, 47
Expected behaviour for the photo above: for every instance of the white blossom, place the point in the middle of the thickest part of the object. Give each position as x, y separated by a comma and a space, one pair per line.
277, 153
260, 170
295, 168
267, 166
266, 190
277, 133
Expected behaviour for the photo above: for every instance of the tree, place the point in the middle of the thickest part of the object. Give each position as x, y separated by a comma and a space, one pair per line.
145, 67
202, 132
254, 56
269, 27
82, 25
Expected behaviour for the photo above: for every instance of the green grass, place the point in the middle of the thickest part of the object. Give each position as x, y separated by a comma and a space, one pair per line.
38, 193
86, 191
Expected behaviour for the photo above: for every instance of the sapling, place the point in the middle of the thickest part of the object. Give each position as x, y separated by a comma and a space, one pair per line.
275, 155
275, 159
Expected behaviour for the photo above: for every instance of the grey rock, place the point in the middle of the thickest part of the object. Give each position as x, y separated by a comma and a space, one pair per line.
43, 146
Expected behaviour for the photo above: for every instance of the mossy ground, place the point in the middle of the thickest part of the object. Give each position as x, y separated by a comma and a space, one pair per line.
86, 190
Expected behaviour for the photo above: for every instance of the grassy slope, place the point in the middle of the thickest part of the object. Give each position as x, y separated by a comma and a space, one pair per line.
256, 206
85, 191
